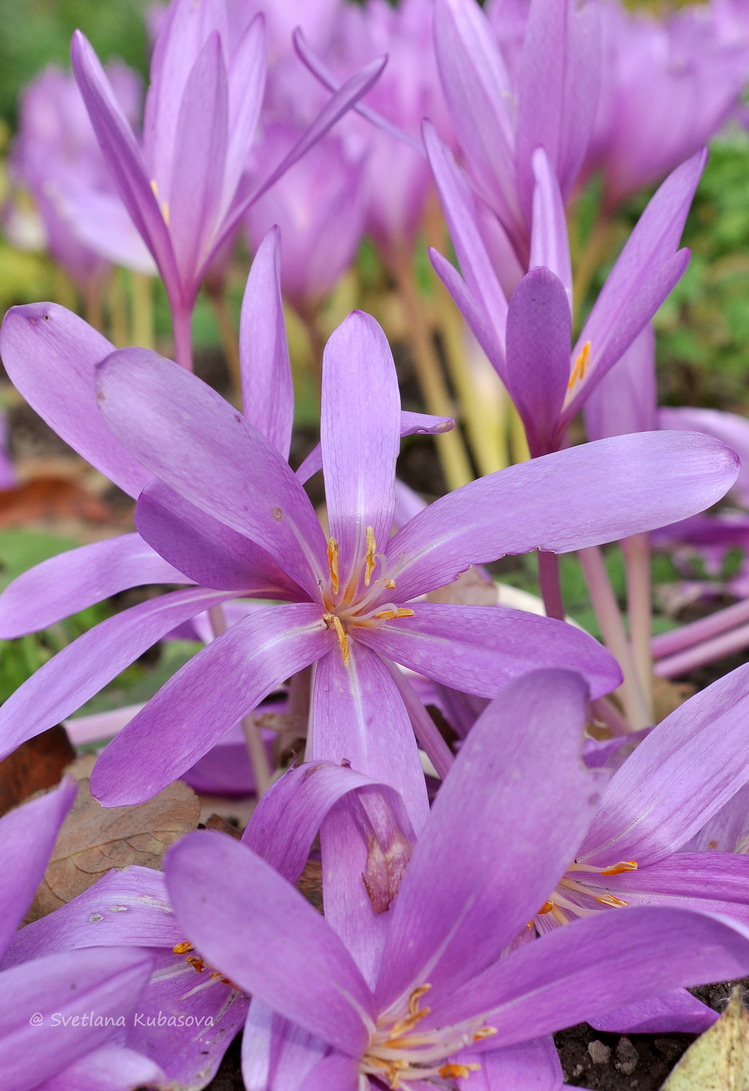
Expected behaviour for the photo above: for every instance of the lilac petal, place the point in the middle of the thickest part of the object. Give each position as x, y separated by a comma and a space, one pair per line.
246, 87
674, 1010
550, 245
27, 837
199, 157
276, 1054
731, 428
644, 274
336, 1072
558, 88
109, 1068
65, 985
359, 437
267, 393
539, 326
81, 669
74, 580
676, 779
479, 649
211, 693
358, 716
255, 927
626, 398
727, 830
209, 454
288, 817
564, 501
532, 1066
211, 553
505, 823
565, 977
477, 89
123, 156
50, 355
478, 321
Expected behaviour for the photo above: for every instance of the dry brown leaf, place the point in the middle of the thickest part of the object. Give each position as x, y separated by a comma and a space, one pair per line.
35, 764
94, 839
719, 1059
49, 499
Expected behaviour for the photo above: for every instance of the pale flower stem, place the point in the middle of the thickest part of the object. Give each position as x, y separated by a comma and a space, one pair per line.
549, 583
227, 334
667, 644
614, 634
637, 558
451, 450
182, 334
141, 316
728, 642
117, 311
252, 737
604, 710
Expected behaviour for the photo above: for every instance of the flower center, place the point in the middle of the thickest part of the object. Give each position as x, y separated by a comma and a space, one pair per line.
361, 602
581, 888
398, 1053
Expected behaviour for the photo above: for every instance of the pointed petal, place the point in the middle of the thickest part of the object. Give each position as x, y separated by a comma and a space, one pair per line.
123, 156
496, 842
626, 399
539, 327
532, 1066
212, 554
108, 1068
74, 580
675, 1009
479, 649
209, 454
67, 985
276, 1055
359, 436
267, 393
211, 693
247, 73
686, 769
27, 837
50, 355
79, 671
565, 977
256, 928
358, 716
550, 245
563, 501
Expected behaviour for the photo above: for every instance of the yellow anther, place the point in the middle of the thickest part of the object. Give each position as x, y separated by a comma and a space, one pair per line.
340, 632
182, 948
385, 615
333, 563
485, 1032
370, 561
197, 963
580, 367
390, 584
415, 997
612, 900
162, 204
402, 611
545, 908
619, 869
457, 1071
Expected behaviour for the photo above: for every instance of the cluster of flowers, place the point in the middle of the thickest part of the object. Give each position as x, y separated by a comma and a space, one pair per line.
483, 887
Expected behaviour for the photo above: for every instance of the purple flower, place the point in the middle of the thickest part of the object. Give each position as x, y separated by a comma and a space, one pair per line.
423, 991
44, 1001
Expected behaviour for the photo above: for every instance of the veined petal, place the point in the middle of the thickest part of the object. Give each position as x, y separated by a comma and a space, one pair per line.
479, 649
256, 928
194, 189
267, 392
359, 436
626, 398
539, 327
211, 553
532, 1066
70, 984
81, 669
502, 830
123, 156
359, 716
566, 976
686, 769
211, 693
27, 837
50, 355
276, 1054
599, 492
472, 311
675, 1009
108, 1068
74, 580
197, 444
247, 70
550, 245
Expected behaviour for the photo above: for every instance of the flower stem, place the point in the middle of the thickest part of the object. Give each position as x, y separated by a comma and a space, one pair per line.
551, 588
637, 558
728, 642
182, 333
141, 310
226, 331
677, 640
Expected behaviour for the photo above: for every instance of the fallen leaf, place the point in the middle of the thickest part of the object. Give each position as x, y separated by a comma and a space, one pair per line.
94, 839
34, 765
719, 1059
49, 499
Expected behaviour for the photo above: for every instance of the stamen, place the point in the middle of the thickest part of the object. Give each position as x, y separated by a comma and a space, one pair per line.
485, 1032
580, 367
545, 908
340, 632
333, 563
182, 948
458, 1071
390, 584
619, 869
370, 560
197, 963
612, 900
